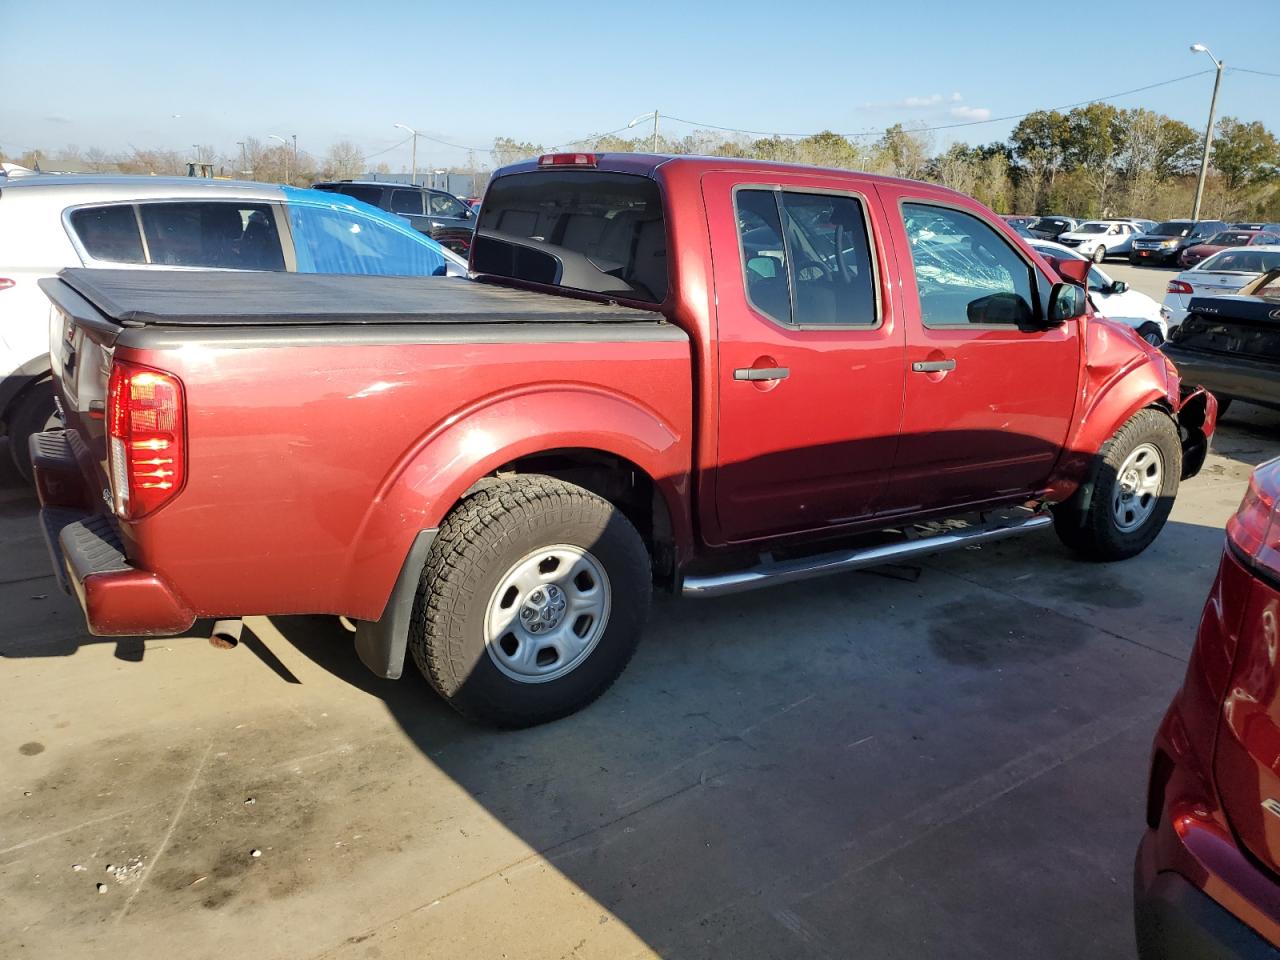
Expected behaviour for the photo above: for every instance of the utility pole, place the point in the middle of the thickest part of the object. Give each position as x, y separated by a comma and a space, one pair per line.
646, 116
413, 153
1208, 132
295, 152
244, 161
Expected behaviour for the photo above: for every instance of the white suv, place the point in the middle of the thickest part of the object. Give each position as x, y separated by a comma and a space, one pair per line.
48, 222
1096, 239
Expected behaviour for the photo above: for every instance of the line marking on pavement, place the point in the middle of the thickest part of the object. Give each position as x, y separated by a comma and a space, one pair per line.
173, 822
87, 823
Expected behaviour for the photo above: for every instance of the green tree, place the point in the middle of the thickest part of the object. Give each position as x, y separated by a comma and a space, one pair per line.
506, 150
1244, 153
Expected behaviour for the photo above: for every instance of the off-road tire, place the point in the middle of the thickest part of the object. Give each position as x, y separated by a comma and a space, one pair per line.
32, 412
1093, 532
480, 540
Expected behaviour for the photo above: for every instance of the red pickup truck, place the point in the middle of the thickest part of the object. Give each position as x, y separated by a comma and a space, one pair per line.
704, 374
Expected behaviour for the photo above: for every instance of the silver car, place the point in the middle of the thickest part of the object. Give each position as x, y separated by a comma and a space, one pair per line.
48, 222
1224, 272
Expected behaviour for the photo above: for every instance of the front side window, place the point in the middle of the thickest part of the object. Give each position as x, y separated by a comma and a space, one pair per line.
336, 239
967, 275
443, 205
408, 202
109, 233
806, 257
224, 235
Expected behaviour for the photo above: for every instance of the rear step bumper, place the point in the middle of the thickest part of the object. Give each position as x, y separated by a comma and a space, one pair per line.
118, 599
841, 561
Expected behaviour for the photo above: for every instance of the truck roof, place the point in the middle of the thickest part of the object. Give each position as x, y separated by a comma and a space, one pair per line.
138, 298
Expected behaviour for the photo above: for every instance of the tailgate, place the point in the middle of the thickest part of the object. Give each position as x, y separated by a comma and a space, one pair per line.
1255, 336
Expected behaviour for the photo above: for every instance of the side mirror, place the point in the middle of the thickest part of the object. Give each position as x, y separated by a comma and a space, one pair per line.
1075, 271
1119, 286
1066, 302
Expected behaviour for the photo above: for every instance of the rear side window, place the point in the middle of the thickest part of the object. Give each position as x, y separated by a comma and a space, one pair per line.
806, 257
369, 195
109, 233
336, 240
585, 230
965, 271
407, 202
227, 235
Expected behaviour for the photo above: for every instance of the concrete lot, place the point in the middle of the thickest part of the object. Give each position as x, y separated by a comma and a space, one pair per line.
937, 761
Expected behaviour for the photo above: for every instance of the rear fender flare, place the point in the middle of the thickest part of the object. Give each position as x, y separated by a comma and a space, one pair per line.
449, 458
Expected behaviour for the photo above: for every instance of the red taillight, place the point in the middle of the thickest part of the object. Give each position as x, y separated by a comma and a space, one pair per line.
1252, 529
146, 435
1179, 286
567, 160
5, 283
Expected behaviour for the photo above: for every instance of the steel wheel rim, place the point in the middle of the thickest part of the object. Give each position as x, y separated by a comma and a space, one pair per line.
1138, 484
547, 613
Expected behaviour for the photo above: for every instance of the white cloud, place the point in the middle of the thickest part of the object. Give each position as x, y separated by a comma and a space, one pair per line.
970, 113
918, 103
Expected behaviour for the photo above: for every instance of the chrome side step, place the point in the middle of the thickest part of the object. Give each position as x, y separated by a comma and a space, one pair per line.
840, 561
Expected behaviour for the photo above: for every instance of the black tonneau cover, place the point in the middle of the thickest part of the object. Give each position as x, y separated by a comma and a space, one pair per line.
211, 298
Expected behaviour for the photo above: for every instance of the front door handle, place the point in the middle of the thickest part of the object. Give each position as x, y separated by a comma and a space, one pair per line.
933, 366
761, 373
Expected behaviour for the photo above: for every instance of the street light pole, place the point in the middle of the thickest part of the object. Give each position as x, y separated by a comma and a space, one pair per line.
244, 161
1208, 132
285, 144
413, 153
646, 116
295, 151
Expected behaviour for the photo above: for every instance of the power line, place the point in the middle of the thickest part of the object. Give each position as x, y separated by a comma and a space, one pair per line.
387, 150
1259, 73
947, 126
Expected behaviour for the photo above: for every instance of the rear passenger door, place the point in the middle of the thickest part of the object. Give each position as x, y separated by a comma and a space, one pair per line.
810, 368
408, 203
990, 392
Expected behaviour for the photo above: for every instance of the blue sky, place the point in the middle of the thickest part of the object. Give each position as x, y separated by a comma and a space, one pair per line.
172, 75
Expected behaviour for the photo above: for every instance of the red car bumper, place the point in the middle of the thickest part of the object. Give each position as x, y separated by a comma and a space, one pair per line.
88, 553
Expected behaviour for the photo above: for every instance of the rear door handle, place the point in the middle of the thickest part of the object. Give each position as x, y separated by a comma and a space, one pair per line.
761, 373
933, 366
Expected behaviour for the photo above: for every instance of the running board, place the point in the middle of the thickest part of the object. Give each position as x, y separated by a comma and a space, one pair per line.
841, 561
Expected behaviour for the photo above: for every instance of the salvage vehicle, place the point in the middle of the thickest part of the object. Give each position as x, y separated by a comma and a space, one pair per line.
1205, 879
1230, 343
1164, 243
48, 222
1225, 272
705, 374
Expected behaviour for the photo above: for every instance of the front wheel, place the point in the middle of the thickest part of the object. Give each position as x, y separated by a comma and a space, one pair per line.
532, 602
1099, 254
1150, 332
1134, 481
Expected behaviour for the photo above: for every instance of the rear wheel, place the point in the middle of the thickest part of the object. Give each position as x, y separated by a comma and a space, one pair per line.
33, 412
1134, 481
532, 601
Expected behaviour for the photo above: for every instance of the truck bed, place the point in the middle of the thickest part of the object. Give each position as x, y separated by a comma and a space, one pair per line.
199, 298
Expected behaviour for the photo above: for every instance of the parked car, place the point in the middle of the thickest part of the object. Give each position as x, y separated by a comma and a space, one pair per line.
439, 215
1224, 272
1222, 240
1050, 228
1255, 225
49, 222
1205, 880
1018, 220
1144, 226
1166, 241
1113, 298
654, 381
1096, 239
1230, 343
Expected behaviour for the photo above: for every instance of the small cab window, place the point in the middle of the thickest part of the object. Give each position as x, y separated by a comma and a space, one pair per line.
225, 235
965, 272
337, 240
408, 202
594, 231
443, 205
109, 233
806, 257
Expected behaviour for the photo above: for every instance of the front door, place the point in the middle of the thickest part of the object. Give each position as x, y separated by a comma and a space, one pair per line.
990, 391
810, 368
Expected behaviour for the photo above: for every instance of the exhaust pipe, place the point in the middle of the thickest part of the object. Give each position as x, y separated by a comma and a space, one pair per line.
226, 633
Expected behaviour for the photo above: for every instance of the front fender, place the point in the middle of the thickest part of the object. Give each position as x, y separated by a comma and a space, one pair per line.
447, 460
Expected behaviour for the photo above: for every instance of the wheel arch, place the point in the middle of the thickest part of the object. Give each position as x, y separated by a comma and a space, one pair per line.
15, 385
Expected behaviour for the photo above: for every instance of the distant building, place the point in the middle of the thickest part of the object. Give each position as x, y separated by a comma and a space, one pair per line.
459, 184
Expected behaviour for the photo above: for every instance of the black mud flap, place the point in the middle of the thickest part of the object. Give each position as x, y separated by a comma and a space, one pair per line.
381, 644
1195, 426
